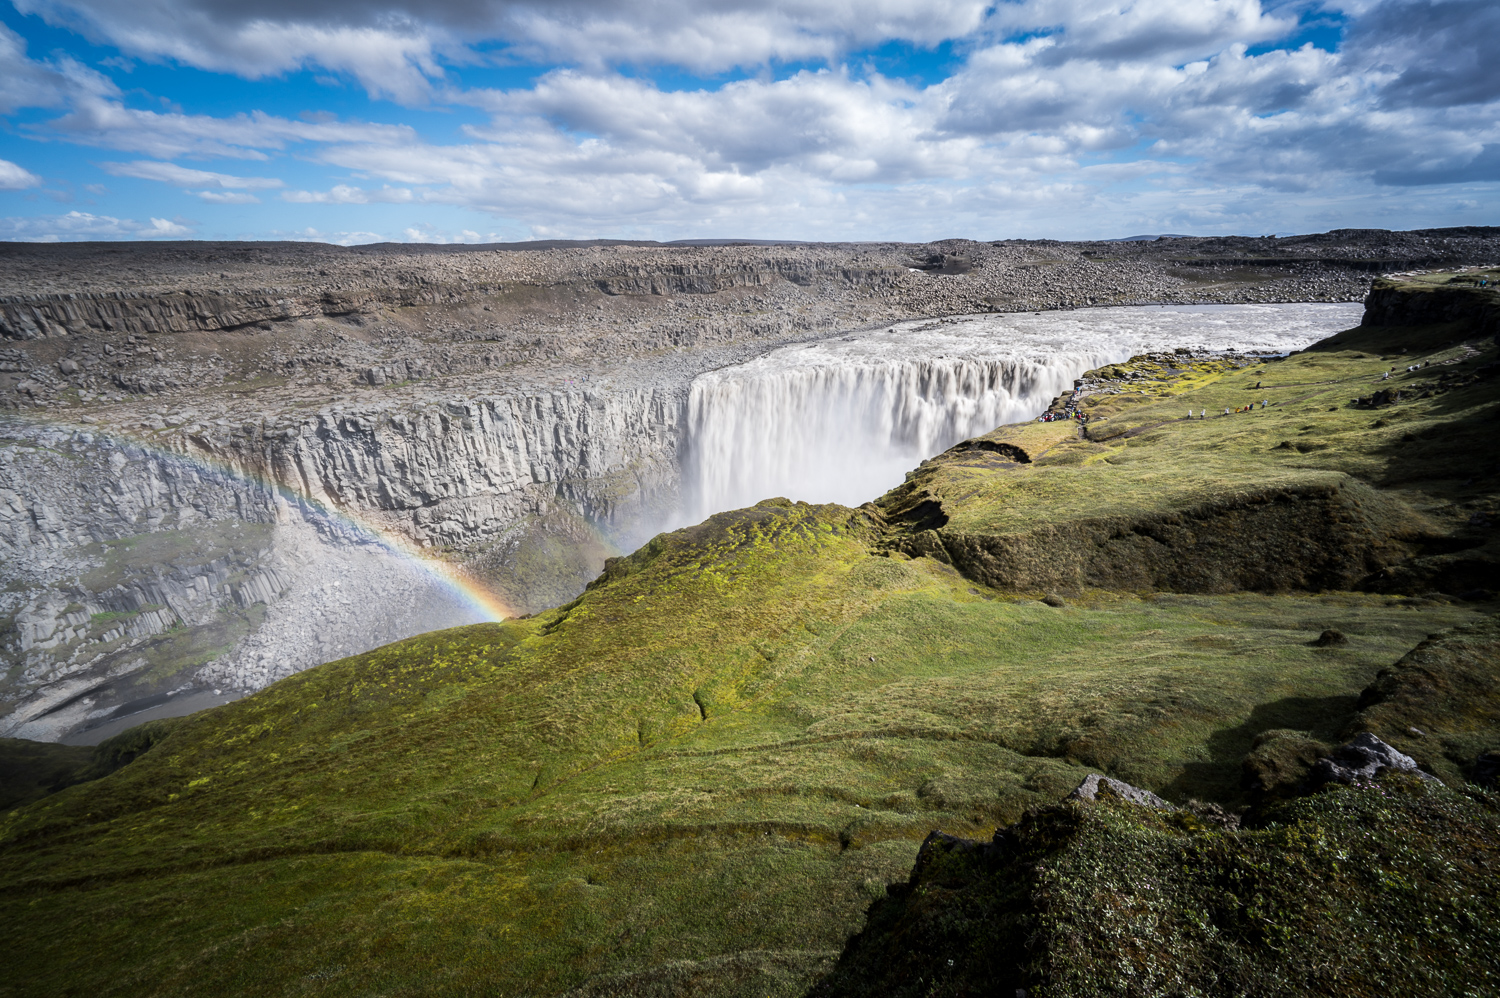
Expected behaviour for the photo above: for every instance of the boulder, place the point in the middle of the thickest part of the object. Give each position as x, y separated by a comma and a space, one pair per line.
1363, 759
1094, 784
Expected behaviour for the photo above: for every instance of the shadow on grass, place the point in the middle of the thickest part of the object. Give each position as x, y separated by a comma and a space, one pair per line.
1218, 779
1455, 445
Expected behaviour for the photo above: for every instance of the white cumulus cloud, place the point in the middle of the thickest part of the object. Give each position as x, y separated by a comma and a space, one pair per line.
15, 178
1065, 116
345, 194
182, 176
161, 228
392, 57
84, 225
395, 48
113, 125
226, 197
48, 83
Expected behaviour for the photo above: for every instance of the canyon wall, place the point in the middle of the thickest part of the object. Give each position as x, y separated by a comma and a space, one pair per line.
1396, 303
223, 463
271, 544
232, 552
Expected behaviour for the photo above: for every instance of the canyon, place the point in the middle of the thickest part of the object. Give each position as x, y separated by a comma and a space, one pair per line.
1206, 656
221, 464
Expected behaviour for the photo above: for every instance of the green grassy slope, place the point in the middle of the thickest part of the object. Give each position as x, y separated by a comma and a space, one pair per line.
1309, 492
696, 777
1380, 889
31, 770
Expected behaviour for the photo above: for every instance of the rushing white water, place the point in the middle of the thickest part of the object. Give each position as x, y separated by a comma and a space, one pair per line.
843, 420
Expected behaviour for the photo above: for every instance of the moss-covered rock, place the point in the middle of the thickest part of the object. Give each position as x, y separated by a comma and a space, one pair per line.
1440, 703
1280, 761
1373, 891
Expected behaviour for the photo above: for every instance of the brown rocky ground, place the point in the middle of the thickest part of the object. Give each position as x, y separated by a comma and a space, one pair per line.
91, 323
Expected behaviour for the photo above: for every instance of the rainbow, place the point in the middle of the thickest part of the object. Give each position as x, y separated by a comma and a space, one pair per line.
451, 577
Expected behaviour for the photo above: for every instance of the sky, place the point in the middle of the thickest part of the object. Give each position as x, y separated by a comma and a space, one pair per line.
494, 120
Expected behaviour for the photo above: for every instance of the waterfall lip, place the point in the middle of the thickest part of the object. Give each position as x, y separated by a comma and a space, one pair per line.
842, 418
1140, 328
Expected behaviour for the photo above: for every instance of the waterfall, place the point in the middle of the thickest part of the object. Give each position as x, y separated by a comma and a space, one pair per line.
843, 420
846, 433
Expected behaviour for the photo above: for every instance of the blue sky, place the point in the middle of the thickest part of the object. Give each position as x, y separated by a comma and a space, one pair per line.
484, 120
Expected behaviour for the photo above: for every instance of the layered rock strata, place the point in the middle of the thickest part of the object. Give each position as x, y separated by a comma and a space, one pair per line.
113, 543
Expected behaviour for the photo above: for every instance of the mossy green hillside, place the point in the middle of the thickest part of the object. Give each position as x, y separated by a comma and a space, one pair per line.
31, 770
702, 770
1309, 491
1380, 888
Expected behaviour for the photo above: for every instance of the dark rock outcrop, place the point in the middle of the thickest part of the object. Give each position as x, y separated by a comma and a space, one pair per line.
1117, 899
1005, 450
945, 263
1333, 536
1395, 303
1486, 770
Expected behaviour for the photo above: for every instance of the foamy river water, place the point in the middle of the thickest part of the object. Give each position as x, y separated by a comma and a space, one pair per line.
842, 420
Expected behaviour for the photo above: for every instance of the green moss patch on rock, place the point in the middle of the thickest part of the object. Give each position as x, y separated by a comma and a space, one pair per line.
1369, 891
1440, 703
1279, 762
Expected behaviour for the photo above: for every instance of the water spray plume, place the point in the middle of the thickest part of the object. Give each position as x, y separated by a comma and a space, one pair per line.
842, 420
338, 520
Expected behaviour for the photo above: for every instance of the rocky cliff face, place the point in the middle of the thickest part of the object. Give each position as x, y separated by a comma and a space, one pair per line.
454, 472
116, 560
306, 282
1405, 303
130, 563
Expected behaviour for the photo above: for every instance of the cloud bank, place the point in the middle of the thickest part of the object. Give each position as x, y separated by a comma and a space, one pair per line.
806, 118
